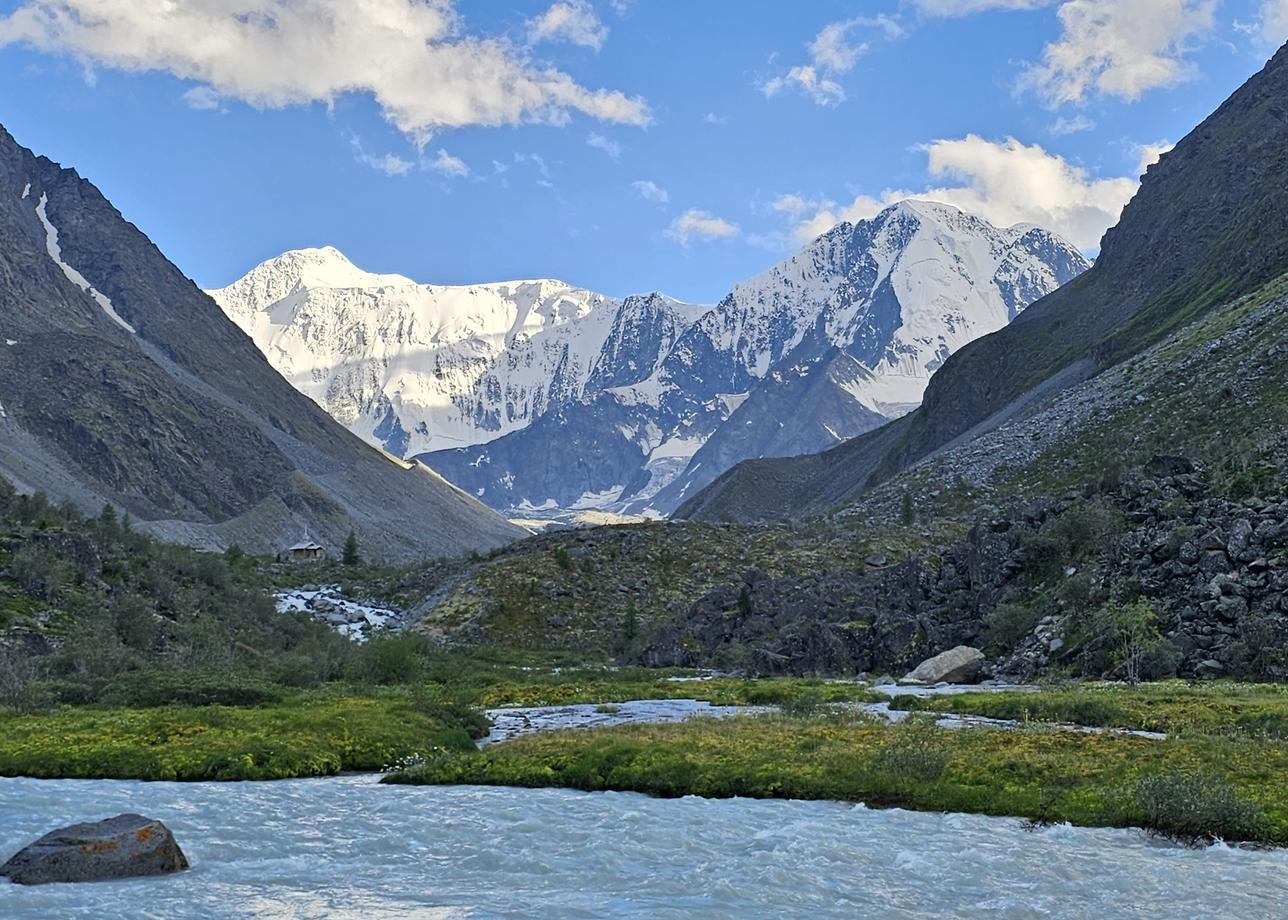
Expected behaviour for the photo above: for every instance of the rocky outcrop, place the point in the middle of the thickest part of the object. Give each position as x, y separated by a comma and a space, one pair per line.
960, 665
1214, 570
126, 846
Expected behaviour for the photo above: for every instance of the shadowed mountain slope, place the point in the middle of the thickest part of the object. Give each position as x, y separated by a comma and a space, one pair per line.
121, 381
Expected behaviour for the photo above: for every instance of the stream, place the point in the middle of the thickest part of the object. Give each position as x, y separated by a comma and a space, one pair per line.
347, 847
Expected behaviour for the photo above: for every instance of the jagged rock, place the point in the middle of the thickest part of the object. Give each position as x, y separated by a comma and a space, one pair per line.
960, 665
122, 847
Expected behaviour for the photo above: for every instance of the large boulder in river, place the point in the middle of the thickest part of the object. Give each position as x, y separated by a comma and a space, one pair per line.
120, 847
960, 665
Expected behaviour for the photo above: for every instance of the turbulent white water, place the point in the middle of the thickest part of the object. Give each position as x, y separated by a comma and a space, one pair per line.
348, 848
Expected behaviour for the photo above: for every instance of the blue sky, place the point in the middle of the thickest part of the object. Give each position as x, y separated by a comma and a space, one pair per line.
623, 145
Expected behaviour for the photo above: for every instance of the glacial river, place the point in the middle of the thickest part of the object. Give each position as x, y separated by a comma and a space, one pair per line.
349, 848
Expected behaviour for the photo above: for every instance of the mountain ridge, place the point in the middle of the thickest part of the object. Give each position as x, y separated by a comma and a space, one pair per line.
162, 407
512, 410
1182, 248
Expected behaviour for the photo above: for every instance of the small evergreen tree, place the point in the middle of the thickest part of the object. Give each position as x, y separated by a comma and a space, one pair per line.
906, 513
351, 556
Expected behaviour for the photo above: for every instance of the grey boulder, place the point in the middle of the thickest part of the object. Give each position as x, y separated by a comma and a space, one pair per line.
122, 847
960, 665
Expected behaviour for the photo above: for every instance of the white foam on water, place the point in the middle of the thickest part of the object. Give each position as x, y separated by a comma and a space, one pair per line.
349, 848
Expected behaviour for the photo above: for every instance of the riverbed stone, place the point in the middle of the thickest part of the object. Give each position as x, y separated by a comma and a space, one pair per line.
122, 847
960, 665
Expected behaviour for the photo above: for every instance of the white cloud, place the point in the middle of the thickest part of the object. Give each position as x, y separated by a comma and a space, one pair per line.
1272, 23
711, 118
833, 53
1152, 153
390, 163
832, 49
822, 90
412, 56
958, 8
572, 21
606, 144
651, 191
1121, 48
539, 164
796, 205
702, 225
447, 165
203, 98
1005, 182
1077, 124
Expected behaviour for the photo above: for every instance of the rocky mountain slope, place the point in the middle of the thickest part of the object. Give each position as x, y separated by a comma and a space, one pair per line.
1209, 222
1162, 482
1132, 510
120, 381
538, 396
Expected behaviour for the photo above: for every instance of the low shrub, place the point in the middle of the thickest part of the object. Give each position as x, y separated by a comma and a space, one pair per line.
151, 688
398, 658
1196, 809
1009, 624
806, 704
915, 750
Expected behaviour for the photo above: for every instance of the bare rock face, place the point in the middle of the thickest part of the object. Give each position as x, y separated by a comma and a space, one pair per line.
122, 847
960, 665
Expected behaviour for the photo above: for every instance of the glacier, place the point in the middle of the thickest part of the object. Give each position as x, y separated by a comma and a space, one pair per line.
538, 394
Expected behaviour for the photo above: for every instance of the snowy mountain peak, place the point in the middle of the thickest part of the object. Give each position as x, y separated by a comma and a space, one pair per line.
416, 368
539, 394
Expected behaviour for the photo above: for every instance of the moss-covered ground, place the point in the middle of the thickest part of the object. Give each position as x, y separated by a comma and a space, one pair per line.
1223, 709
1199, 787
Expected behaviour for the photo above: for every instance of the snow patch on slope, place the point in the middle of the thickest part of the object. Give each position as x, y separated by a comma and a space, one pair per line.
75, 277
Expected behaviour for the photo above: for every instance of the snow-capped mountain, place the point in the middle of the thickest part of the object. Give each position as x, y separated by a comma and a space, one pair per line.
418, 368
539, 395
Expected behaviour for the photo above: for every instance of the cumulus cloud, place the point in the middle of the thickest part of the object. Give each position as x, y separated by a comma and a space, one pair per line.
701, 225
959, 8
1006, 183
606, 144
572, 21
445, 164
1121, 48
413, 57
651, 191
